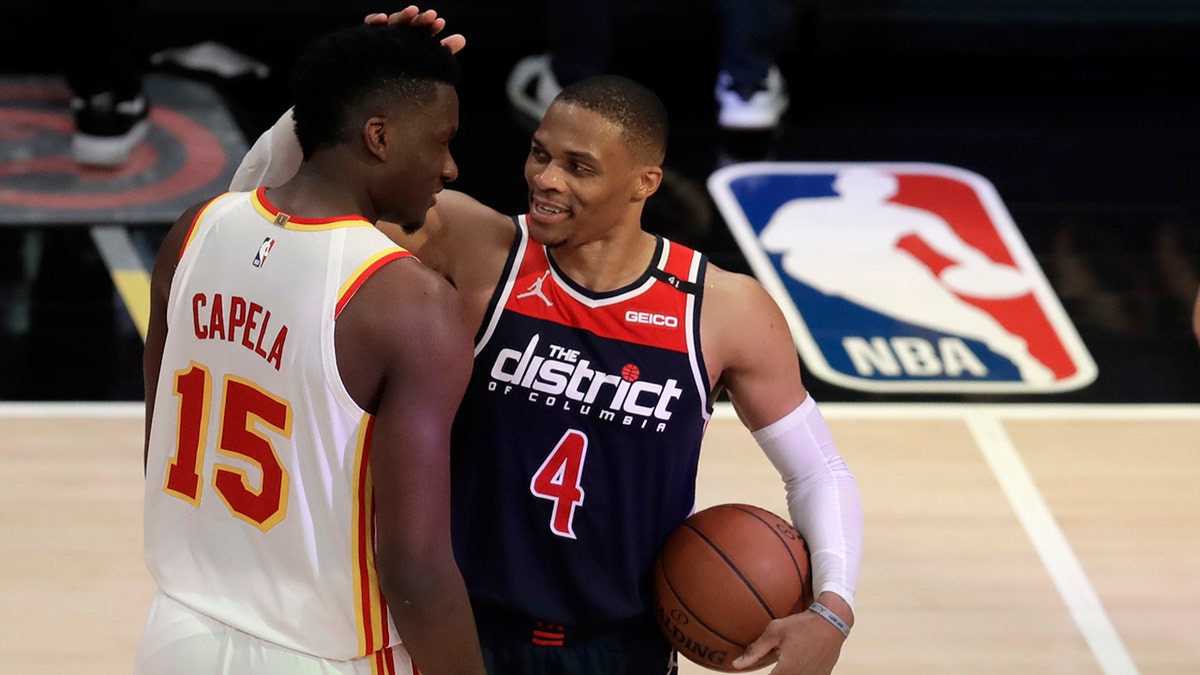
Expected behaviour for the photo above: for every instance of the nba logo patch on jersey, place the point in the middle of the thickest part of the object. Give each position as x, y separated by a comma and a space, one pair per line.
264, 250
902, 277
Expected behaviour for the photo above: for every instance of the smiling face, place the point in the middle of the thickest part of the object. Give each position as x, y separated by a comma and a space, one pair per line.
583, 181
419, 160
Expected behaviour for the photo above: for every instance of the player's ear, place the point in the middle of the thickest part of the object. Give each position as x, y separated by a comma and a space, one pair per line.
375, 137
647, 183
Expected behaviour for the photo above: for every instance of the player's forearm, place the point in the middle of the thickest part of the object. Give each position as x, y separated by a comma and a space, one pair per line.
433, 616
822, 495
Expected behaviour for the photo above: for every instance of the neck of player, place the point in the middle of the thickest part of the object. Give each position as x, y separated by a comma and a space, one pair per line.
607, 263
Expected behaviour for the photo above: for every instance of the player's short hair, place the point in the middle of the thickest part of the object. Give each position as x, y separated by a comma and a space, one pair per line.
357, 71
633, 107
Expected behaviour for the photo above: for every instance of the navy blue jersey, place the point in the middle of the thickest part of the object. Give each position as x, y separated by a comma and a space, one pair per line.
576, 446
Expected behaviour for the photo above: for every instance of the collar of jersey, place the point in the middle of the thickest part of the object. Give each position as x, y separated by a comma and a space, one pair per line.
271, 212
632, 288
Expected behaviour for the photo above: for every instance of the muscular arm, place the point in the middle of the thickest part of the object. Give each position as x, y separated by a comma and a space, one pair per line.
404, 350
747, 341
466, 242
746, 337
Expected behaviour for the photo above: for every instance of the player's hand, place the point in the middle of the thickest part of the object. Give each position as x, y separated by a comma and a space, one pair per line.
414, 16
801, 644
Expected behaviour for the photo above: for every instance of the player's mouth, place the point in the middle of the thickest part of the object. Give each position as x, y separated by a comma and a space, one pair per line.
547, 212
433, 198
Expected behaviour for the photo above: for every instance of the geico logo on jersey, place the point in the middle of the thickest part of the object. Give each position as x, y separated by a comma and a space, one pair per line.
560, 378
651, 318
902, 277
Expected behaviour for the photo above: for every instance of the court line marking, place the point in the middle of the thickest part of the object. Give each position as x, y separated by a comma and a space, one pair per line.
984, 421
986, 425
127, 271
1013, 411
118, 409
1051, 544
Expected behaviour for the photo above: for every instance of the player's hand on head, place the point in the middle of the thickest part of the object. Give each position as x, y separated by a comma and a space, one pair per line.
800, 644
414, 16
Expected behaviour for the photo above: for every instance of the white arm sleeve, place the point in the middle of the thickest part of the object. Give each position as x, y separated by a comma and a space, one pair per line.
272, 159
822, 496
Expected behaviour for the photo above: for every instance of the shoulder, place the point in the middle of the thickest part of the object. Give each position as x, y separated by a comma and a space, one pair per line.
405, 289
740, 321
409, 312
749, 348
458, 227
405, 330
171, 247
460, 222
456, 210
732, 297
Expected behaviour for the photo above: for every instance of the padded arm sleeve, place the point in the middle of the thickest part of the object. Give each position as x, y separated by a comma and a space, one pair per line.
273, 158
822, 496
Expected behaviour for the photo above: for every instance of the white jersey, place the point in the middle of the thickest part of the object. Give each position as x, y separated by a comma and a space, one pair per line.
258, 504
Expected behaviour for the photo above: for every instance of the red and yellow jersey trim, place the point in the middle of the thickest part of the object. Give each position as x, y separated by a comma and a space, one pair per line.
269, 211
370, 609
364, 271
191, 233
383, 662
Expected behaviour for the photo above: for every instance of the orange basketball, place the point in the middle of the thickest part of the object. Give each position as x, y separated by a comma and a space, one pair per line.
723, 575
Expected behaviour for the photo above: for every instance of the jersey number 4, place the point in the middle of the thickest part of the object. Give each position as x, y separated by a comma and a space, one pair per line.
243, 407
559, 480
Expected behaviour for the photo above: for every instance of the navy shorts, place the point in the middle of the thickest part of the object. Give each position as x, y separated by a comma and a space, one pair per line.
514, 644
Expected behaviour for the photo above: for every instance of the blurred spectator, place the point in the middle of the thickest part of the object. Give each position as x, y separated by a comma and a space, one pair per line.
750, 90
105, 75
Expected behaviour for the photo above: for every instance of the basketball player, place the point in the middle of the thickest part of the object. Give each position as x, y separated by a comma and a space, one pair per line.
302, 372
600, 351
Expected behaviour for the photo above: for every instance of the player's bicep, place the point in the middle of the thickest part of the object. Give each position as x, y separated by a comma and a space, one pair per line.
760, 368
426, 375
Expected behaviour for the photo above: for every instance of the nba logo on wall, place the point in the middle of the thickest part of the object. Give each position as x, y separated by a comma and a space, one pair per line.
902, 277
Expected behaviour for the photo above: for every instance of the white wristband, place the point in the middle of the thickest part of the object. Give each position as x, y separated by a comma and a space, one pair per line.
827, 614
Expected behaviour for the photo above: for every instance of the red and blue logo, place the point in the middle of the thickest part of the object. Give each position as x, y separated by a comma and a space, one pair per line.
264, 250
902, 277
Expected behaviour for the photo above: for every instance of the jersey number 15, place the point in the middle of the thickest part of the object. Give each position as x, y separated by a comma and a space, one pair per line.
242, 405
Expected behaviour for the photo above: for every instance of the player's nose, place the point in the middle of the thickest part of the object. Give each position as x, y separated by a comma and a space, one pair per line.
449, 170
548, 178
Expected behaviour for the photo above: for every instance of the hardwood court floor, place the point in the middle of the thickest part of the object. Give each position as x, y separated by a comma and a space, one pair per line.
999, 538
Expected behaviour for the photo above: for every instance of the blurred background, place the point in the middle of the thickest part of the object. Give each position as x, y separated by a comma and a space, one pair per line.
1081, 113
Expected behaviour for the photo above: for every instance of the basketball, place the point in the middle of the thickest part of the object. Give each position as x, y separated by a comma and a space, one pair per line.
723, 575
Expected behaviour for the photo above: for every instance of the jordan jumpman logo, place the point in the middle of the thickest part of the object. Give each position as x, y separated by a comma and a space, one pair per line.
536, 289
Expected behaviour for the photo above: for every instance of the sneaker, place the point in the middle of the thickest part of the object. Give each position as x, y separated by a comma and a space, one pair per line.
532, 86
760, 107
107, 130
211, 58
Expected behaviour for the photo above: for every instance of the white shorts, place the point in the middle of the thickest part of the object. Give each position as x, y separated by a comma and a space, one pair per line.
180, 641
